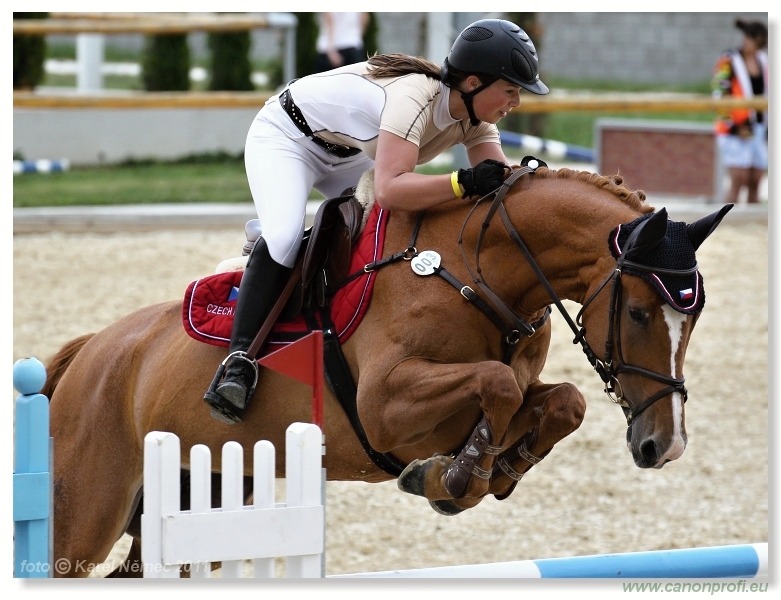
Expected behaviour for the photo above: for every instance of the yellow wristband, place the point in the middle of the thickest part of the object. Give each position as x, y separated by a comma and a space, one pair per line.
457, 189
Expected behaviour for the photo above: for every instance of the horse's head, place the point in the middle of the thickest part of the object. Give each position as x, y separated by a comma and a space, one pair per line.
643, 315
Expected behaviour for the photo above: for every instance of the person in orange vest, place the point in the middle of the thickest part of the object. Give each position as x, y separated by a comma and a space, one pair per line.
742, 133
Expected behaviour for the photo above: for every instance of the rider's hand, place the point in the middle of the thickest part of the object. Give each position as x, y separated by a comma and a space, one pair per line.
482, 179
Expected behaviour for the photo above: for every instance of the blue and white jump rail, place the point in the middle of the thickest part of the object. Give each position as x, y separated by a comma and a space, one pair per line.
43, 165
556, 150
738, 561
32, 472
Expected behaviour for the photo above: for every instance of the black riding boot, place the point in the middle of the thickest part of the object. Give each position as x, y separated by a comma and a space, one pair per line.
260, 287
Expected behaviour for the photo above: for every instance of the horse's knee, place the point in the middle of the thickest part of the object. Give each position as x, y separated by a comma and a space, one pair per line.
500, 396
566, 408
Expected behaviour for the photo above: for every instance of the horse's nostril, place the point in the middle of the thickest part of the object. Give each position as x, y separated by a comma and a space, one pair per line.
648, 451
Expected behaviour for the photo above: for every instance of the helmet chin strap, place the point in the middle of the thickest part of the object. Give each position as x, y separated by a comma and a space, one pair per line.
468, 98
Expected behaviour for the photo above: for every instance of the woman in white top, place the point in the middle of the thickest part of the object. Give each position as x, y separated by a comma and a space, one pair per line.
390, 113
340, 39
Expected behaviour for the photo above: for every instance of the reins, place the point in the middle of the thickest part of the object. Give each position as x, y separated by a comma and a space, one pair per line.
605, 368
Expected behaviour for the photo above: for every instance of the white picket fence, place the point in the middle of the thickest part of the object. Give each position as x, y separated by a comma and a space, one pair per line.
234, 533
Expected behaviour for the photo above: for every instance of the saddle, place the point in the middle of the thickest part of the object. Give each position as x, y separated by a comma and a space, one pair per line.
328, 247
322, 264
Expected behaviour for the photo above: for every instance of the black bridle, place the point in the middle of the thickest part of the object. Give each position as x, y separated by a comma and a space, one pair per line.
607, 369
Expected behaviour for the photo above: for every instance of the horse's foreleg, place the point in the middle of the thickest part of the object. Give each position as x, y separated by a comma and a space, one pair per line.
132, 565
557, 410
91, 509
440, 408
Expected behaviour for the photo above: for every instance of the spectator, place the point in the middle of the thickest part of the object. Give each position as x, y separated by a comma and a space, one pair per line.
340, 39
742, 133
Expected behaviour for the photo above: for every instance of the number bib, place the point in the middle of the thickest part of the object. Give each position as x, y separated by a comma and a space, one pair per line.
426, 263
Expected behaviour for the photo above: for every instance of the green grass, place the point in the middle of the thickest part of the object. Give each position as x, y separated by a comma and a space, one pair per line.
579, 128
695, 87
223, 181
200, 179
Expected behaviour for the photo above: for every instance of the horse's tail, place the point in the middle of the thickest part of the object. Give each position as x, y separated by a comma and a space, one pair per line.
60, 361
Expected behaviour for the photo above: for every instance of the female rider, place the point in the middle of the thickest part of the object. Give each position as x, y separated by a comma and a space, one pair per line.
390, 113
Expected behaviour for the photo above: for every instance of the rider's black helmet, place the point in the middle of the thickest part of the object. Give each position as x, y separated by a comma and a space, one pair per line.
499, 49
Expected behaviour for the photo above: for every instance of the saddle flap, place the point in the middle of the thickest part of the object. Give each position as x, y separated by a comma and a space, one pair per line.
336, 226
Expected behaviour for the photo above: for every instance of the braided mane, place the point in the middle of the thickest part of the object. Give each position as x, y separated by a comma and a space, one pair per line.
612, 183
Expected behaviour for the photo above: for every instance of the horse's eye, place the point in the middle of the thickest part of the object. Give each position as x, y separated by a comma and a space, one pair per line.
638, 315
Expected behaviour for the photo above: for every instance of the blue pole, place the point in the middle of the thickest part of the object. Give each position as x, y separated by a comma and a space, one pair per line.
718, 561
552, 148
41, 166
32, 472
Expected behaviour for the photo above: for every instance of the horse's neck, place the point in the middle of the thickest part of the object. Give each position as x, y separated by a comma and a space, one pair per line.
568, 243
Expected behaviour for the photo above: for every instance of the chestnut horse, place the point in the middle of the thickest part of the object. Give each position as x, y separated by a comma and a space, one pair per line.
446, 361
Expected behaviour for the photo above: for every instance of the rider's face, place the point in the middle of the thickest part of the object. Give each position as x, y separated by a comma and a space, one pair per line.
496, 101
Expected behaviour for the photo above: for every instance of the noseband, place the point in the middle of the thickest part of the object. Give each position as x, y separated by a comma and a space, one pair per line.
607, 369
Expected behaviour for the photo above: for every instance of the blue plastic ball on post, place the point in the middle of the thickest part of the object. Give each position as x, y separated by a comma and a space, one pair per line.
29, 376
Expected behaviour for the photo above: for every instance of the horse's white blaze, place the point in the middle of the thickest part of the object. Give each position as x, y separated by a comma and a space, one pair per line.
675, 321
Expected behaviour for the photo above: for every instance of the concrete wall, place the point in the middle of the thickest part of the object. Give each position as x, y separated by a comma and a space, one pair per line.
95, 137
653, 48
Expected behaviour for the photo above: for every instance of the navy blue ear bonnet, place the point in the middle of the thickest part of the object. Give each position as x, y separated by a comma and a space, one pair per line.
674, 252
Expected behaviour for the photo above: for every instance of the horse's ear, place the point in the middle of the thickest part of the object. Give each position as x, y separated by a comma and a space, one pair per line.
702, 228
647, 235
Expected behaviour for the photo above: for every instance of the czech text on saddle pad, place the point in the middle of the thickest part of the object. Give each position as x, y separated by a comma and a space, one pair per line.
210, 302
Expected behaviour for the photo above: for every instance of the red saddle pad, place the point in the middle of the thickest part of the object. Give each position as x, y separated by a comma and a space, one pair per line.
210, 302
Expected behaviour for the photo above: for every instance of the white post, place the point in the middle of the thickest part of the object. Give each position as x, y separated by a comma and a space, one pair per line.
89, 58
263, 494
232, 495
200, 496
161, 497
288, 22
441, 33
303, 470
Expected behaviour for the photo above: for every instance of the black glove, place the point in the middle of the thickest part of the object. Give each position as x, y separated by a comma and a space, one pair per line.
482, 179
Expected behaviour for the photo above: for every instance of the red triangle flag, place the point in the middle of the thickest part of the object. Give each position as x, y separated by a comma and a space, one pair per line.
296, 360
302, 360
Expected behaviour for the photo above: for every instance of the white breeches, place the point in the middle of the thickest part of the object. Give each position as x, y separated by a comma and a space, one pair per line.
283, 166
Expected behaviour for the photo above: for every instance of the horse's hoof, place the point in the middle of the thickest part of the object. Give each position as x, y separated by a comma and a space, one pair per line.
412, 478
418, 477
446, 507
413, 481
